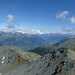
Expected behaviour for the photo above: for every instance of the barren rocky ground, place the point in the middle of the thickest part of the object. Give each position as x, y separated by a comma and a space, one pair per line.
58, 62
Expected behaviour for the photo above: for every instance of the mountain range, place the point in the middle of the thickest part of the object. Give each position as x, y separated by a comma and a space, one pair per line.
24, 41
30, 39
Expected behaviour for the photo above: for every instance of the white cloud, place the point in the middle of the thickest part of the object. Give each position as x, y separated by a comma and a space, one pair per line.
10, 21
62, 15
65, 15
72, 20
10, 18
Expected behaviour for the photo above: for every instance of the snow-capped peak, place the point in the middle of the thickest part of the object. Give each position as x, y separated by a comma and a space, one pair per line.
26, 31
21, 30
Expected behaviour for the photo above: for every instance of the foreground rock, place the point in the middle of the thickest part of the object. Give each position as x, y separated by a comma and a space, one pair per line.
58, 62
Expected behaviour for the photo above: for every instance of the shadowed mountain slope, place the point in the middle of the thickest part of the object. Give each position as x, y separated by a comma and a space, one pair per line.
69, 44
24, 41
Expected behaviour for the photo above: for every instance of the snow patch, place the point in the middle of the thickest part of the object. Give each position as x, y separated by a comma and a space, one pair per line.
0, 73
2, 62
3, 58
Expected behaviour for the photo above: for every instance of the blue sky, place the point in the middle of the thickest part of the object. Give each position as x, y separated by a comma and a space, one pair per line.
44, 15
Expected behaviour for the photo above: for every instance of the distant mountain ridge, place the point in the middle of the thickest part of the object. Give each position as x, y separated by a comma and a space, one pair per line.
24, 41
